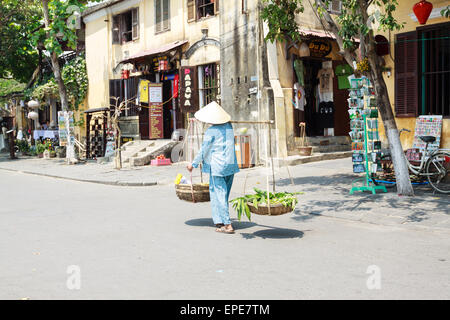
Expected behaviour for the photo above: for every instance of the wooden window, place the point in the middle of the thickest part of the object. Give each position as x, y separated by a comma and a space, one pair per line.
162, 15
434, 69
135, 24
335, 7
208, 84
191, 10
205, 8
116, 30
406, 75
125, 26
244, 6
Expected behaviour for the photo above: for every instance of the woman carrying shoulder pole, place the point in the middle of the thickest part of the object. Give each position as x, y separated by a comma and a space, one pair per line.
218, 158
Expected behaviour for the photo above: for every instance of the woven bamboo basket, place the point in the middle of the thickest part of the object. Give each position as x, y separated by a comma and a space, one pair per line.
275, 209
197, 193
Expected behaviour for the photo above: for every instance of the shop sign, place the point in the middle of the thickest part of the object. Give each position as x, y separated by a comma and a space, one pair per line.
66, 126
319, 48
188, 92
160, 63
155, 111
218, 97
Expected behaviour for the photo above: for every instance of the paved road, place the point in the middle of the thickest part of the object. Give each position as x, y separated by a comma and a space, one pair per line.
143, 243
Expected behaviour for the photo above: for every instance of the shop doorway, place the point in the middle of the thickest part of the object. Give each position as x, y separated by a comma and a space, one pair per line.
315, 101
311, 68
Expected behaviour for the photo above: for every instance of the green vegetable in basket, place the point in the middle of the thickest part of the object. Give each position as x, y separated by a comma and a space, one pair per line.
287, 199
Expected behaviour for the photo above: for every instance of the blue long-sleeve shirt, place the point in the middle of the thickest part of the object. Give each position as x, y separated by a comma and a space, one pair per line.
218, 154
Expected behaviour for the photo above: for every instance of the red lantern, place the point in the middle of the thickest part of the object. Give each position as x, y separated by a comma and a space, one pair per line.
422, 10
125, 74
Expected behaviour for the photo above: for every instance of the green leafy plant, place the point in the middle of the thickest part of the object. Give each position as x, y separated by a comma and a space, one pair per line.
287, 199
40, 148
74, 75
23, 146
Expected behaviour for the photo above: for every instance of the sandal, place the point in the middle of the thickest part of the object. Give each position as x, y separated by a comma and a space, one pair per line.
224, 230
219, 225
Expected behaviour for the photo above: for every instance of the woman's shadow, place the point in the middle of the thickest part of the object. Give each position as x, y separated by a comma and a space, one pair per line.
269, 233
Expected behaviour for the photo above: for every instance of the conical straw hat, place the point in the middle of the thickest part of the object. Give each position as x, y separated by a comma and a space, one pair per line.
212, 113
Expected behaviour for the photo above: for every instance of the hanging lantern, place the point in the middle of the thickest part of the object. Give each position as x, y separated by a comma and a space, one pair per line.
33, 115
304, 50
33, 104
422, 10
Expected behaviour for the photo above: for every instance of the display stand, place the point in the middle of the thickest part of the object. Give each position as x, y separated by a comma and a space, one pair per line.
365, 137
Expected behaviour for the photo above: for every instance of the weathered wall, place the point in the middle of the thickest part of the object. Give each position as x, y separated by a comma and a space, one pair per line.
405, 14
102, 57
242, 61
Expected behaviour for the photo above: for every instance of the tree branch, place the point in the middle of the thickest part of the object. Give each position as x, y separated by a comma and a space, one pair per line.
347, 54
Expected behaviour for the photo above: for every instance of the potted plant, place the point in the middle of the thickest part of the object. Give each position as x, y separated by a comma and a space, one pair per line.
277, 204
23, 146
53, 154
304, 149
40, 148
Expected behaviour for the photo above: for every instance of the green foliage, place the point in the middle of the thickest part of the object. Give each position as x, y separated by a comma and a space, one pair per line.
74, 75
352, 23
18, 19
49, 89
287, 199
40, 147
280, 16
23, 146
9, 86
62, 28
446, 12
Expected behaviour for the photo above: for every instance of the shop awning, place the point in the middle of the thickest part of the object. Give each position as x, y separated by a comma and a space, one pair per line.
155, 51
320, 34
316, 33
93, 110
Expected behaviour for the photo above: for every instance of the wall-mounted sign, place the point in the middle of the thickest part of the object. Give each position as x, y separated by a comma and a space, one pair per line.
188, 92
160, 63
319, 48
155, 93
155, 111
219, 96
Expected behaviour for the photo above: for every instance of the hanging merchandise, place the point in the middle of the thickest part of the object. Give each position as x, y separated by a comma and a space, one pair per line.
300, 100
343, 71
326, 114
366, 146
143, 91
300, 71
325, 77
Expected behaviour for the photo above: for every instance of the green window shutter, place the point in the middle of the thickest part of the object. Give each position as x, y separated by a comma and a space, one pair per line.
135, 24
406, 78
166, 14
158, 17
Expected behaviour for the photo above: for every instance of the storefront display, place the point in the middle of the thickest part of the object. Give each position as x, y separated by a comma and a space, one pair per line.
366, 145
156, 111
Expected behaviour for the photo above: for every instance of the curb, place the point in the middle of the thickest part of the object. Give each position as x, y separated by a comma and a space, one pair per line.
111, 183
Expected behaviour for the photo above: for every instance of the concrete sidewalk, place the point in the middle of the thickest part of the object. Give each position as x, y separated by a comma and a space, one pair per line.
325, 184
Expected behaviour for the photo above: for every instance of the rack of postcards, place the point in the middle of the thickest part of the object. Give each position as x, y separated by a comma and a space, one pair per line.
366, 144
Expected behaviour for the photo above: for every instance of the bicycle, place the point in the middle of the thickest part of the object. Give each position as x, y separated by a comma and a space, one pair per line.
434, 165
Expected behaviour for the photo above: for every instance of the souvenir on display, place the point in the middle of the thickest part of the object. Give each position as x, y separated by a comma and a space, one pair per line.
366, 146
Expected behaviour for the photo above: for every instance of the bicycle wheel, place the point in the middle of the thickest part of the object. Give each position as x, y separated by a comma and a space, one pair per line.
438, 171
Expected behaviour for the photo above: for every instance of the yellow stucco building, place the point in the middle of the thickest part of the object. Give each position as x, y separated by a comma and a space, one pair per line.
204, 50
427, 93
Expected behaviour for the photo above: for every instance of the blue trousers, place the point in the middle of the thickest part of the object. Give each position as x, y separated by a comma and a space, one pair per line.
219, 191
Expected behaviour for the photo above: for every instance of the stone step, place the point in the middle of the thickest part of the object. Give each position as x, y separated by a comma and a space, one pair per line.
296, 159
331, 148
317, 141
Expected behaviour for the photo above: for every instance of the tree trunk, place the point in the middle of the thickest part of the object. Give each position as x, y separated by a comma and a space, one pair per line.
61, 86
404, 186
